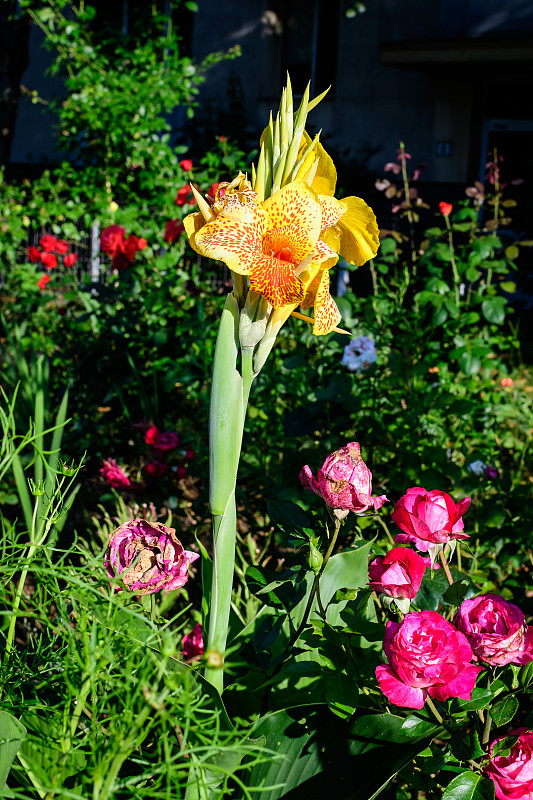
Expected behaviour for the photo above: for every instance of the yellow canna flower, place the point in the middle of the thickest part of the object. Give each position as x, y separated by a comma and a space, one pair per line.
275, 243
355, 235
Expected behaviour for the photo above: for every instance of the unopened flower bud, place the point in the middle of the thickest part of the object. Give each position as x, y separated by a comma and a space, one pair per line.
315, 558
214, 659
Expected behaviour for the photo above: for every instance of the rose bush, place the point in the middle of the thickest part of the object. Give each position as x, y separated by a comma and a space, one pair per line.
496, 630
344, 482
513, 773
426, 655
148, 557
429, 518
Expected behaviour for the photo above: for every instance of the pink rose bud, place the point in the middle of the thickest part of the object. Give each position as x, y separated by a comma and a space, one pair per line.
344, 482
114, 475
429, 518
513, 773
496, 630
193, 643
398, 574
148, 557
426, 655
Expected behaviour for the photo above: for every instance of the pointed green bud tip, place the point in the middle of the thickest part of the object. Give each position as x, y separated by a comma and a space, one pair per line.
36, 487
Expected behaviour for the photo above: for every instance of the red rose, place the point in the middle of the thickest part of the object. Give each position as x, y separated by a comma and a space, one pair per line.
49, 260
445, 209
70, 259
186, 164
48, 243
173, 229
41, 283
61, 246
184, 196
129, 247
111, 239
142, 244
34, 254
213, 190
155, 469
193, 643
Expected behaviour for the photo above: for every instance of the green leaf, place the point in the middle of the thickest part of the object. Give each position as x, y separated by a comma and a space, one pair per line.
493, 309
317, 754
465, 745
469, 786
288, 516
12, 734
456, 593
504, 710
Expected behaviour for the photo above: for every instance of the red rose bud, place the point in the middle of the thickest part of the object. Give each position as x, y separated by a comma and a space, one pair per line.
398, 574
70, 259
184, 196
34, 254
186, 164
142, 244
41, 283
173, 229
344, 482
445, 209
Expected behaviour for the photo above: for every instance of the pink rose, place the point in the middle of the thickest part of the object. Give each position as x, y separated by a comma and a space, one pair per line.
513, 774
426, 655
496, 630
111, 239
429, 518
398, 574
344, 482
114, 475
193, 643
148, 557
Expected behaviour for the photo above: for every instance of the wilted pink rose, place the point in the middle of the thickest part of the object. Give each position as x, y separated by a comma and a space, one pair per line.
429, 518
192, 643
344, 482
111, 239
496, 630
148, 557
426, 655
48, 243
398, 574
114, 475
161, 441
513, 773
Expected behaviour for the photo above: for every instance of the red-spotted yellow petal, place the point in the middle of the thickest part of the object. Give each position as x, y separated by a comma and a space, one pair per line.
327, 315
290, 243
274, 279
295, 204
192, 224
235, 243
332, 210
